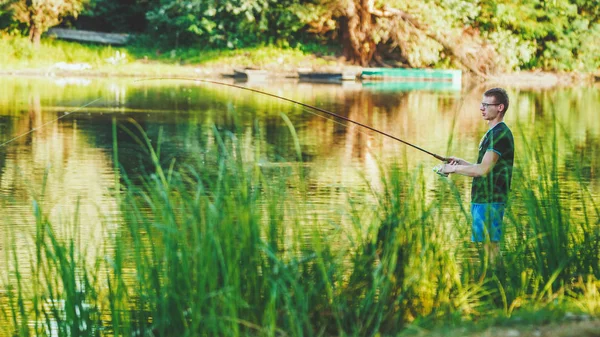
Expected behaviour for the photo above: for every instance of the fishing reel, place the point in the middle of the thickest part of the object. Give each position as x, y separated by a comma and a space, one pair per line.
438, 169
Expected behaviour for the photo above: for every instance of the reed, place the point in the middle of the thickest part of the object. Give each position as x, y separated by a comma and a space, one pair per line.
551, 249
221, 247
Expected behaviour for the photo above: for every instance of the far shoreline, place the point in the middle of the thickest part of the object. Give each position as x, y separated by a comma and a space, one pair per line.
133, 70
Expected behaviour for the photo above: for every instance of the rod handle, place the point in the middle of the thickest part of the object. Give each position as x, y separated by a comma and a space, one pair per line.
438, 170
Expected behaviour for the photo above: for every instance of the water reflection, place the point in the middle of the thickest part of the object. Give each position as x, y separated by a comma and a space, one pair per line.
53, 168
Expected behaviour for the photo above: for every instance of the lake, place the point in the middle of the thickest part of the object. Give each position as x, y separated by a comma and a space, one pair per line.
57, 136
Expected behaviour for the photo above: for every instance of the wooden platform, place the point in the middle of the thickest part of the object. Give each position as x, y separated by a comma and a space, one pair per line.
89, 36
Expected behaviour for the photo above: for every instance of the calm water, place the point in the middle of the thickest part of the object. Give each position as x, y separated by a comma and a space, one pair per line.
67, 162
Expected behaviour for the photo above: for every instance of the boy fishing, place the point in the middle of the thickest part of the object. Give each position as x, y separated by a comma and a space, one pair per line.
491, 173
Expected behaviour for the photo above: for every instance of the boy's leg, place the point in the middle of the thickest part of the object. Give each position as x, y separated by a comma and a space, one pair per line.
495, 214
493, 252
487, 228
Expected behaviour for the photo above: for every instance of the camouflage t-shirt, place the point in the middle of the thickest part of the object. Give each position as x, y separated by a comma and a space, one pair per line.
495, 186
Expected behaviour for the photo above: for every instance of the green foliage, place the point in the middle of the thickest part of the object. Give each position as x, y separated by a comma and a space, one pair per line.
552, 35
534, 34
38, 16
8, 23
123, 16
225, 24
447, 17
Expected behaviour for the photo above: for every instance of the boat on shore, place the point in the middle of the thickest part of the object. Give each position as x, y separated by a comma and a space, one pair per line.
412, 75
313, 76
250, 74
396, 86
89, 36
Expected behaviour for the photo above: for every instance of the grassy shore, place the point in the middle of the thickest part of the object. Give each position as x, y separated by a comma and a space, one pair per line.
20, 57
226, 246
61, 58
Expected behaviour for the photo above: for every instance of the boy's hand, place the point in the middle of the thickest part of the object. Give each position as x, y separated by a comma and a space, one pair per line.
448, 168
457, 161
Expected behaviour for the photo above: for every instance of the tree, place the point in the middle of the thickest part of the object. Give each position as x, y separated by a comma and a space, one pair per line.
224, 24
416, 33
552, 35
120, 16
7, 21
41, 15
484, 37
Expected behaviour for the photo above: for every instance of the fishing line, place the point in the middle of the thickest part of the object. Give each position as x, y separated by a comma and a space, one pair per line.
302, 104
50, 122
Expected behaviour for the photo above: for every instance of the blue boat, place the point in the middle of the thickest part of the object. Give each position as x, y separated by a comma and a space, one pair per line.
410, 86
412, 75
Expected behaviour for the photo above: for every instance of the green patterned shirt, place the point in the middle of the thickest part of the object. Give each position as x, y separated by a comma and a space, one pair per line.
495, 185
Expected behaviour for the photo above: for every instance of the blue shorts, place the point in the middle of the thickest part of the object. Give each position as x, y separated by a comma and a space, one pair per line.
487, 222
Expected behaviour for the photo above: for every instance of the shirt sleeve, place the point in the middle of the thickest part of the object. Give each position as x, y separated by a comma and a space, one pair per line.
499, 142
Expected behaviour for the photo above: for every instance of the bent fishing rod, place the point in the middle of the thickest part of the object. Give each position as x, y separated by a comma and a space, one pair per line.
444, 159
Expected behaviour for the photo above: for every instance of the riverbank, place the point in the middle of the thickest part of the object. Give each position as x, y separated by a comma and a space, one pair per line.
68, 59
141, 69
588, 328
61, 58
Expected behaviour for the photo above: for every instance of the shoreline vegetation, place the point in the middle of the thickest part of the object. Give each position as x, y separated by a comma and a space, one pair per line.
56, 58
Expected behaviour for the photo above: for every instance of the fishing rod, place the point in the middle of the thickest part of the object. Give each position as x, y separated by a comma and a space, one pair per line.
444, 159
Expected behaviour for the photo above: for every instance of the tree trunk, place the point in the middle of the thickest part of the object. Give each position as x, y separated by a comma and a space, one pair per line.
35, 34
359, 47
447, 43
356, 25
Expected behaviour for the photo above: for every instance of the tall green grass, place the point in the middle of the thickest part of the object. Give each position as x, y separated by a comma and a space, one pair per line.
230, 247
552, 250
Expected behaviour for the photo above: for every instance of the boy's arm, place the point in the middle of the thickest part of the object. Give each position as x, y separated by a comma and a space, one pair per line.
473, 170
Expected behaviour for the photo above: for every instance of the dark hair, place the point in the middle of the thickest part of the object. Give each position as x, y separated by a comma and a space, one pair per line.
499, 95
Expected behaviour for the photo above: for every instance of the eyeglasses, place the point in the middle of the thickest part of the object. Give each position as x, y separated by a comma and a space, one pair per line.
485, 105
